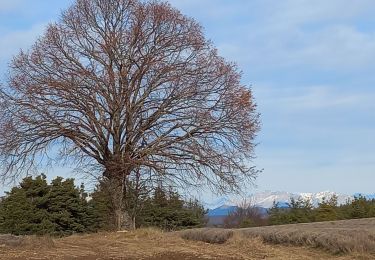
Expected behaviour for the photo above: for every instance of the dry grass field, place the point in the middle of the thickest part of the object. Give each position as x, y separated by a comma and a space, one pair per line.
344, 236
336, 237
292, 242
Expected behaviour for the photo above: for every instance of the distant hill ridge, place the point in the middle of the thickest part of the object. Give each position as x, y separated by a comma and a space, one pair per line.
223, 210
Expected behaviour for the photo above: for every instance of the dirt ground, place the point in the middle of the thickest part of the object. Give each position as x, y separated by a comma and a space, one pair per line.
154, 245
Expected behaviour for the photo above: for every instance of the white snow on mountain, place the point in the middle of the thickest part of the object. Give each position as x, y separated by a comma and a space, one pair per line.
265, 199
218, 202
315, 198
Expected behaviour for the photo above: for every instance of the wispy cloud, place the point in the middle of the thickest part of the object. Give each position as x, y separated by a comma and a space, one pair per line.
9, 5
11, 43
20, 39
336, 48
301, 98
277, 34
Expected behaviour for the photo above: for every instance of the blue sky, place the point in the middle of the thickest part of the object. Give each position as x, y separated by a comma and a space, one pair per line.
311, 65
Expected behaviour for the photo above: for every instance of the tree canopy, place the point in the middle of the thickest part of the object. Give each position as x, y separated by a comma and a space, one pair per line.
129, 88
128, 84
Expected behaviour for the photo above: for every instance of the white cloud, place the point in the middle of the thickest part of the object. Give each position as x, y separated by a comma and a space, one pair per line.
8, 5
12, 42
336, 47
299, 99
339, 47
209, 8
298, 12
270, 34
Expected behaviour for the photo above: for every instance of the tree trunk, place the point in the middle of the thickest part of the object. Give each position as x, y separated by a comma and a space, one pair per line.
124, 217
119, 219
132, 223
117, 190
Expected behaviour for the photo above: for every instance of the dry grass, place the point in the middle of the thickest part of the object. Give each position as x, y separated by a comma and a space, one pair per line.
26, 241
11, 241
345, 236
355, 238
208, 235
337, 237
152, 244
34, 242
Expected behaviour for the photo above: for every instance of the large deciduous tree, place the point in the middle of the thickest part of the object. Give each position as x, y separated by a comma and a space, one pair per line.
134, 88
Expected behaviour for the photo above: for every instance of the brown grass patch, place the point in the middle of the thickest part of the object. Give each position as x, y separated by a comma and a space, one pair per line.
26, 241
337, 237
11, 241
152, 244
41, 242
208, 235
345, 236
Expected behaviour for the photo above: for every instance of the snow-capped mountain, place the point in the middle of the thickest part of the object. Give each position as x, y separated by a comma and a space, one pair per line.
218, 202
266, 199
221, 207
223, 210
315, 198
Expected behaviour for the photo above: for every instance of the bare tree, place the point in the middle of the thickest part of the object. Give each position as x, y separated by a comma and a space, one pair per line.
246, 214
128, 86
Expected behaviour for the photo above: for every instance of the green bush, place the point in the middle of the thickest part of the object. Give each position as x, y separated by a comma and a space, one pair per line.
301, 211
36, 207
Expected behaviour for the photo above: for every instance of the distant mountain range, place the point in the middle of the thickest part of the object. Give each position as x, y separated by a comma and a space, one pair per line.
223, 206
265, 199
223, 210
